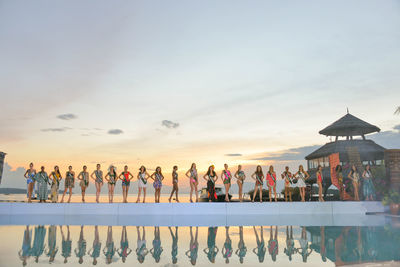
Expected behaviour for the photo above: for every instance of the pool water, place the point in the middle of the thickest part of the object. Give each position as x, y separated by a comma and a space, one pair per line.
41, 245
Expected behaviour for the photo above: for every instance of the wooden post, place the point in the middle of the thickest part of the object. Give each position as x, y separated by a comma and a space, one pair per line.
392, 164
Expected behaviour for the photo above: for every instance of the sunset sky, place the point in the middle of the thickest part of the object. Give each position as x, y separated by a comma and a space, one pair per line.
176, 82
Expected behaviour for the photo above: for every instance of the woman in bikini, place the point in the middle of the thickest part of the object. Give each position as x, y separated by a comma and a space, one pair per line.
55, 184
97, 176
157, 177
126, 181
355, 178
301, 175
124, 250
226, 177
258, 176
287, 177
30, 180
84, 181
242, 250
111, 178
240, 176
69, 183
271, 178
94, 252
174, 250
211, 177
194, 181
174, 184
142, 183
320, 178
227, 249
109, 248
193, 247
290, 249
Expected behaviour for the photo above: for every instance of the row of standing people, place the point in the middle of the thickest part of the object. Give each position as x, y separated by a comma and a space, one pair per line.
38, 247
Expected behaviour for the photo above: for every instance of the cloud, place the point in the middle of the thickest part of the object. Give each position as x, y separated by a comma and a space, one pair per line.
170, 124
387, 139
115, 131
234, 155
63, 129
67, 116
397, 127
292, 154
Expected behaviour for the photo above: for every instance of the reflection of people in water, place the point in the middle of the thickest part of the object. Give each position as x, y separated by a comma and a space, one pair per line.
212, 249
38, 242
273, 243
157, 249
227, 249
260, 249
358, 250
289, 250
94, 252
109, 248
124, 250
174, 251
194, 247
25, 252
66, 244
304, 249
322, 246
52, 243
242, 250
80, 250
141, 250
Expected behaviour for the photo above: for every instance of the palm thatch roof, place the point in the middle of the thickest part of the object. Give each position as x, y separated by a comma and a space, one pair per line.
349, 125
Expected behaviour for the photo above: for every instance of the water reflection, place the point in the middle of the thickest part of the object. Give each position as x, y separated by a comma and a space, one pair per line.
341, 245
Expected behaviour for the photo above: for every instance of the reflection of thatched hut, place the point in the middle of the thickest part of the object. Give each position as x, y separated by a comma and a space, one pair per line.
358, 151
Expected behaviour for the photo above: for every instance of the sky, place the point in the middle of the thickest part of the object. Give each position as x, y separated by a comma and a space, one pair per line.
163, 83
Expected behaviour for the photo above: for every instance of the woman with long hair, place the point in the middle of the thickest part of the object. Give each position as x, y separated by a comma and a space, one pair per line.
142, 177
174, 247
69, 183
339, 176
355, 178
174, 184
55, 183
124, 250
42, 179
211, 250
227, 249
157, 249
260, 249
301, 175
226, 177
368, 185
212, 177
320, 178
126, 181
94, 252
157, 177
193, 246
83, 176
287, 177
240, 176
111, 178
271, 178
194, 181
97, 176
141, 250
273, 243
80, 250
109, 249
30, 180
242, 250
258, 176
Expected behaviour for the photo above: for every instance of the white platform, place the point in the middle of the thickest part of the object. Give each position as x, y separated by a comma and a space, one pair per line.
200, 214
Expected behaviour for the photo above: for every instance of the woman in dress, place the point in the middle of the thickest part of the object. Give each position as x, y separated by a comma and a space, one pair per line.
355, 178
97, 176
242, 250
273, 243
339, 176
368, 185
226, 177
320, 178
124, 250
141, 250
30, 180
157, 177
111, 178
55, 184
26, 250
194, 181
271, 178
227, 249
174, 184
287, 177
94, 252
142, 177
258, 176
301, 175
157, 249
193, 247
126, 181
304, 250
69, 183
211, 177
84, 181
240, 176
42, 179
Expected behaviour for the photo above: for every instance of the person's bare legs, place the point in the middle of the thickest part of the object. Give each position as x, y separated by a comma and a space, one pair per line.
138, 198
83, 189
197, 191
65, 191
240, 190
270, 193
70, 194
275, 192
226, 192
260, 193
356, 197
30, 190
191, 190
320, 192
144, 194
176, 192
255, 192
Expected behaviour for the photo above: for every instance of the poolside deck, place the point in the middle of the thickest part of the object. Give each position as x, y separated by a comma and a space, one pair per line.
200, 214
